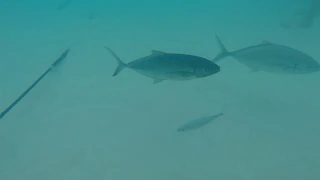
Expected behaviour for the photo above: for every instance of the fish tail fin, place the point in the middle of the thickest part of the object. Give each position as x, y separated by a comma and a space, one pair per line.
121, 64
223, 50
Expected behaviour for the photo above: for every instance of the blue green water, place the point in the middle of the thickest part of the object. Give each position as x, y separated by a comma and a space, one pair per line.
81, 123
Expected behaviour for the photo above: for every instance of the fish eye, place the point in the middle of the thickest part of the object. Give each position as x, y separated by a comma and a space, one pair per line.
208, 69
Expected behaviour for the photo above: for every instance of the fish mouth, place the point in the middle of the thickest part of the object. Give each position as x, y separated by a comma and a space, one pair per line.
216, 71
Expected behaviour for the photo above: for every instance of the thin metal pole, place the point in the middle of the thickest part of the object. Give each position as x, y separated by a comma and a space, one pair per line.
56, 62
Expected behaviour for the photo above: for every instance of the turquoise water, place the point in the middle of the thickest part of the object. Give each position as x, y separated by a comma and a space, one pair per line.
81, 123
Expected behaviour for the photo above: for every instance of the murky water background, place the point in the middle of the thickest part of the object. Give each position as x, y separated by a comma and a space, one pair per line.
81, 123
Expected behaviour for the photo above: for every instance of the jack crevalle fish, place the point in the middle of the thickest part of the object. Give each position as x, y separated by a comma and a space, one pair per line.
162, 66
272, 58
197, 123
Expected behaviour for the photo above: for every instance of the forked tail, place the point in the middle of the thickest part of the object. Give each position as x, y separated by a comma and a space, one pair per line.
223, 51
121, 64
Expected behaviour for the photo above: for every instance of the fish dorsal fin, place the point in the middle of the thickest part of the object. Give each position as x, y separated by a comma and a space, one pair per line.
157, 52
266, 42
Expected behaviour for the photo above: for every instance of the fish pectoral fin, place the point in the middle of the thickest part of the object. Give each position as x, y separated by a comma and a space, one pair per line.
157, 52
155, 81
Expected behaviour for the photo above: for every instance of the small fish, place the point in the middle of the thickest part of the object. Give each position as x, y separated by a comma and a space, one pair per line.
195, 124
162, 66
272, 58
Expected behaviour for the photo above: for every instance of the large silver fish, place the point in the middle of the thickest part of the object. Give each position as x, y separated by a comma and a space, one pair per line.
162, 66
197, 123
273, 58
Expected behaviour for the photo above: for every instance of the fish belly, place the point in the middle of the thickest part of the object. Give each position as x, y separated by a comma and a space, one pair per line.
267, 64
250, 63
167, 73
151, 74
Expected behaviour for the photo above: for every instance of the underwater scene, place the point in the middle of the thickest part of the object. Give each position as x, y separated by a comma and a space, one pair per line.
159, 90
